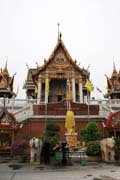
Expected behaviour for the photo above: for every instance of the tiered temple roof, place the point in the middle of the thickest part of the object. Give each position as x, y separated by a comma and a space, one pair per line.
6, 83
113, 84
58, 67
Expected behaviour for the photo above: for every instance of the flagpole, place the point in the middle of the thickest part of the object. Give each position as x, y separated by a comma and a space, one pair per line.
89, 88
46, 100
45, 116
88, 105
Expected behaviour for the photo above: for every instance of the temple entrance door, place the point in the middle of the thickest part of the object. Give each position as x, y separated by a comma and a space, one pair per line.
57, 90
59, 98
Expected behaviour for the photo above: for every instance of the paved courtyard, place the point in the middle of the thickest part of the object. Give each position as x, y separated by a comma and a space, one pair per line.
11, 170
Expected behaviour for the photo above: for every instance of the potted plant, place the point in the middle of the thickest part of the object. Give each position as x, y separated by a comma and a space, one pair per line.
93, 151
91, 136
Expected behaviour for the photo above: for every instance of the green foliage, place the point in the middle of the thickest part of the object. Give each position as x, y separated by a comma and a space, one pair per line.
117, 142
93, 148
53, 128
41, 136
21, 137
52, 134
91, 133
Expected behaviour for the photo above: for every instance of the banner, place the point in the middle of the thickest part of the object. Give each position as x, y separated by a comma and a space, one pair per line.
89, 86
47, 86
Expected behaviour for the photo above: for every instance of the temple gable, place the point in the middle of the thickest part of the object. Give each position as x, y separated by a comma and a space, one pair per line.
55, 72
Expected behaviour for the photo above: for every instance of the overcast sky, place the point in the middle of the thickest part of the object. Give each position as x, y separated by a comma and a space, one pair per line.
90, 31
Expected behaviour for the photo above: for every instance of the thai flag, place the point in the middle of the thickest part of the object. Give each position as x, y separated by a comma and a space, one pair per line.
99, 90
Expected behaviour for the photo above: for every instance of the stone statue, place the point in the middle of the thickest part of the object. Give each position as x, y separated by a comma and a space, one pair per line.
35, 150
108, 149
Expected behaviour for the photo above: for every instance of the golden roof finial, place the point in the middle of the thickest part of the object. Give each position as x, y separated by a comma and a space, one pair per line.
59, 33
5, 70
115, 73
58, 30
114, 68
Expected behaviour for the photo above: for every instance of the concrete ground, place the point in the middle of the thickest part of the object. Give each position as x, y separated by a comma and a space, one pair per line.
12, 170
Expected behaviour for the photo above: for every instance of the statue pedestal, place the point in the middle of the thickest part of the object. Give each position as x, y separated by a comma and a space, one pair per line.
67, 135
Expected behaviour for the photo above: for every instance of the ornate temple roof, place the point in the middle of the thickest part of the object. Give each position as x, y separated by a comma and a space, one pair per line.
113, 84
7, 120
6, 83
55, 65
60, 45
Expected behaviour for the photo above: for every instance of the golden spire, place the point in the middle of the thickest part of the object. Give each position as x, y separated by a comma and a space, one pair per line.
59, 33
114, 68
115, 73
58, 30
5, 70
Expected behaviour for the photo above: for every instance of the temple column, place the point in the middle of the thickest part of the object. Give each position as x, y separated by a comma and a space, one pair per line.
73, 88
80, 89
39, 94
46, 89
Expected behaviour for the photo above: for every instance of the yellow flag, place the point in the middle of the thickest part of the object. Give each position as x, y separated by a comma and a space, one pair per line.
89, 86
47, 85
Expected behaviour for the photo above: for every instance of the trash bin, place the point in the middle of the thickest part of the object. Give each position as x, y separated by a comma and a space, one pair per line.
83, 162
58, 155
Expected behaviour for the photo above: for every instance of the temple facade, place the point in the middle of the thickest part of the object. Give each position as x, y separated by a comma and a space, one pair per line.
49, 83
55, 87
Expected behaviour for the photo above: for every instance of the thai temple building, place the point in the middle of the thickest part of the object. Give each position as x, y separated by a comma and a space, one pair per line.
55, 87
6, 83
8, 123
48, 83
113, 85
58, 86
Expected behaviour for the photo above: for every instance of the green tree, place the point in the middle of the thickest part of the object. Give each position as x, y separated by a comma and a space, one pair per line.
52, 134
91, 133
91, 136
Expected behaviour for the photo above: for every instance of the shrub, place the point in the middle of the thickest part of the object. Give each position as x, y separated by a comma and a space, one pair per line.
117, 143
93, 148
91, 133
52, 134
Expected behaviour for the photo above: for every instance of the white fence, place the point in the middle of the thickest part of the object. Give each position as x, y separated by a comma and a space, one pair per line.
23, 108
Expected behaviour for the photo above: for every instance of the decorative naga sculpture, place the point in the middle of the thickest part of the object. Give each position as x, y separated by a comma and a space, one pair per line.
108, 149
35, 150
